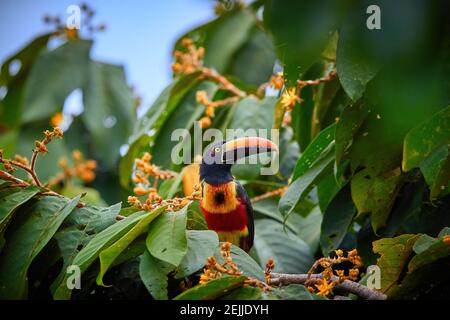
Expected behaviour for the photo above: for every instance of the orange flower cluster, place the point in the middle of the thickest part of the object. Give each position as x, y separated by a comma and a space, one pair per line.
214, 270
82, 169
144, 170
49, 135
325, 285
277, 81
190, 59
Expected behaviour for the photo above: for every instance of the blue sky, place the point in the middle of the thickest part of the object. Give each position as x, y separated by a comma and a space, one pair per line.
140, 34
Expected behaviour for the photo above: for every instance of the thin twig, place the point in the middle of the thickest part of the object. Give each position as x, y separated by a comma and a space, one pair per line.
25, 168
9, 177
226, 85
224, 102
347, 285
328, 77
20, 183
32, 167
270, 194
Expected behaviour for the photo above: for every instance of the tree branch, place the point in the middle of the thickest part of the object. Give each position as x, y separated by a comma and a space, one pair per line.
346, 285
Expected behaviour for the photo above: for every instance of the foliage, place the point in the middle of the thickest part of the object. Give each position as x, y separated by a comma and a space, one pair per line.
364, 122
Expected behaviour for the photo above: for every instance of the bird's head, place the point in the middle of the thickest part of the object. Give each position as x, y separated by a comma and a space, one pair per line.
220, 156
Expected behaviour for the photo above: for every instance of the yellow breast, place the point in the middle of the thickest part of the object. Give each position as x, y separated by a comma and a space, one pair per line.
219, 198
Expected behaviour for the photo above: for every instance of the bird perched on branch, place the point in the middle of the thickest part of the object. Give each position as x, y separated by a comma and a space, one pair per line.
225, 204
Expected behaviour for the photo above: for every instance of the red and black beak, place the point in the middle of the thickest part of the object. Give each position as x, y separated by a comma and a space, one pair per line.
239, 148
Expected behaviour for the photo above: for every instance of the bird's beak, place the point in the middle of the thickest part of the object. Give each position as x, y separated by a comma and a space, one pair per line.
245, 147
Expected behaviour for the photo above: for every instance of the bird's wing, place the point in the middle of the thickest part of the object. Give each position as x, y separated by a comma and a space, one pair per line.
247, 241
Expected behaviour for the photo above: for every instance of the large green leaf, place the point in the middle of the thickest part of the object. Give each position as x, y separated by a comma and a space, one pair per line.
183, 117
167, 239
153, 273
434, 252
36, 227
11, 104
222, 38
108, 255
313, 151
395, 254
10, 200
362, 51
301, 31
212, 289
201, 244
300, 187
350, 120
336, 221
62, 70
78, 229
258, 51
225, 36
305, 222
244, 293
426, 137
290, 253
108, 109
149, 125
436, 170
91, 251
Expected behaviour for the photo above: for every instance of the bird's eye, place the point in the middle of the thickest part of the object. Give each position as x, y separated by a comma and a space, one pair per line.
217, 149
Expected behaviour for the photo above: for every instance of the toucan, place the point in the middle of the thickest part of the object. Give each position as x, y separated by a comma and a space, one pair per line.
225, 204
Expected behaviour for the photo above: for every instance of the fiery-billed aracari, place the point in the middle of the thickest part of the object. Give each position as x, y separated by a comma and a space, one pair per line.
225, 203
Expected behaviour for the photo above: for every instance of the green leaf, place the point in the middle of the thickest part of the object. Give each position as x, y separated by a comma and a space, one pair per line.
167, 237
10, 200
300, 187
78, 229
11, 105
355, 66
361, 51
225, 36
423, 243
425, 138
395, 254
313, 151
38, 226
376, 193
437, 250
436, 170
290, 253
301, 31
244, 293
244, 262
183, 117
108, 255
63, 70
201, 244
336, 221
306, 224
212, 289
153, 273
92, 196
108, 109
350, 121
149, 125
91, 251
257, 51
